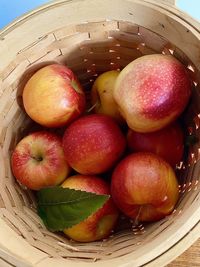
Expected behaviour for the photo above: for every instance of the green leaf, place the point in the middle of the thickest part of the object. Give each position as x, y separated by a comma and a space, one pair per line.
62, 208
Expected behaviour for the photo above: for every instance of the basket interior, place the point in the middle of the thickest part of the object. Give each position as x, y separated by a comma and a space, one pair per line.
88, 49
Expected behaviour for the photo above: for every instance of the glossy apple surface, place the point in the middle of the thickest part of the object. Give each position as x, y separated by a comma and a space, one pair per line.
38, 161
167, 143
152, 91
53, 96
100, 224
144, 187
102, 95
93, 144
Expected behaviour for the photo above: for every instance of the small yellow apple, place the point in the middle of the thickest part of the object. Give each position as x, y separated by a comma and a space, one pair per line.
102, 95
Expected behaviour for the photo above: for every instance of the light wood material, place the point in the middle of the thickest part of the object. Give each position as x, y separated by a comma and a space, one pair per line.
191, 257
93, 36
168, 2
172, 2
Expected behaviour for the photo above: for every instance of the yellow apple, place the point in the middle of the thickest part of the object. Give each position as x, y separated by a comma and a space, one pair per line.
102, 95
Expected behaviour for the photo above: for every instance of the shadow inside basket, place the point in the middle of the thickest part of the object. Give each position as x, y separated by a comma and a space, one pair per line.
90, 49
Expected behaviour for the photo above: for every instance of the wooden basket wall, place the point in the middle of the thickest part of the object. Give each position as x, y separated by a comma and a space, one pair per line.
92, 37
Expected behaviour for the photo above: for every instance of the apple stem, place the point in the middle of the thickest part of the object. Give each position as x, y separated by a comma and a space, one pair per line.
136, 221
92, 107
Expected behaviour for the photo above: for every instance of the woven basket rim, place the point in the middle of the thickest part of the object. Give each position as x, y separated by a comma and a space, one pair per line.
189, 238
170, 7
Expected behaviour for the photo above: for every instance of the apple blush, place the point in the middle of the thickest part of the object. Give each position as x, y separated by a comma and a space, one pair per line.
100, 224
144, 187
53, 96
167, 143
93, 144
38, 161
152, 91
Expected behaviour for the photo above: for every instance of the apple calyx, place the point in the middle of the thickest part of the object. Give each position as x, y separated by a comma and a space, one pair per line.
37, 158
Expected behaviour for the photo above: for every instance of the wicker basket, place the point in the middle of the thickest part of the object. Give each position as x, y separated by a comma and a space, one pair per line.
92, 36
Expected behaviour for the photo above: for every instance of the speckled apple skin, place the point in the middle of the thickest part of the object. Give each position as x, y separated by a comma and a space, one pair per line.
167, 143
152, 91
144, 187
93, 144
38, 161
53, 96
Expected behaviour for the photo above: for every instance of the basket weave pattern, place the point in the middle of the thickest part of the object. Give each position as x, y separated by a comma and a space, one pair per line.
88, 49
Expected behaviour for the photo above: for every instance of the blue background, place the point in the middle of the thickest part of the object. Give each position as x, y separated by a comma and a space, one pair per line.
10, 10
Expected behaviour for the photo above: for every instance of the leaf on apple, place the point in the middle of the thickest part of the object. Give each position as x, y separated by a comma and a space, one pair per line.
62, 208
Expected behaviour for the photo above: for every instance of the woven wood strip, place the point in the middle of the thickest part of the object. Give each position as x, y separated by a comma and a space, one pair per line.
3, 263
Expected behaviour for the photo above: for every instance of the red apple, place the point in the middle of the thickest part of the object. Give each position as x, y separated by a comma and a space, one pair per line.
144, 187
101, 223
38, 161
152, 91
53, 96
167, 143
93, 144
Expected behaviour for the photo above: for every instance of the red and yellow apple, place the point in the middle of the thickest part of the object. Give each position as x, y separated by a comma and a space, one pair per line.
38, 161
93, 144
152, 91
167, 143
144, 187
101, 223
53, 96
102, 95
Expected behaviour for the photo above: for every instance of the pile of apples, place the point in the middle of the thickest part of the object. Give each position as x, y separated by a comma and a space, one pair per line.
131, 135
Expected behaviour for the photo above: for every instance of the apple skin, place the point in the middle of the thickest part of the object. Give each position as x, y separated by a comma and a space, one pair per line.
144, 187
100, 224
93, 144
53, 96
152, 91
38, 161
102, 95
167, 143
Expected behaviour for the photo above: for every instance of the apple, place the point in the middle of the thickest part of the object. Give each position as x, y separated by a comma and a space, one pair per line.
102, 95
100, 224
144, 187
93, 144
152, 91
38, 161
167, 143
53, 96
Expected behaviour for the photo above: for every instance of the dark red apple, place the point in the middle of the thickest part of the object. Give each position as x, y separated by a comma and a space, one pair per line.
93, 144
167, 143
